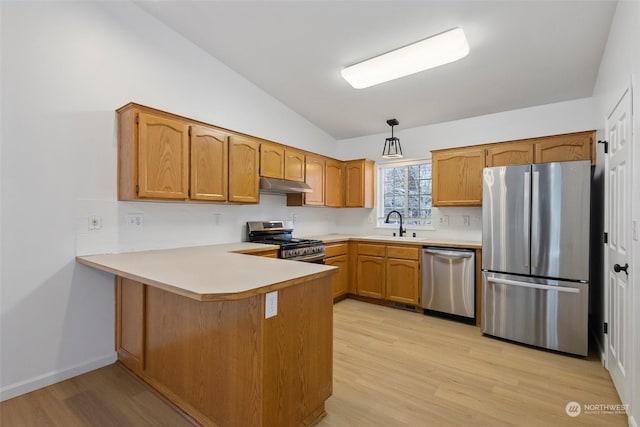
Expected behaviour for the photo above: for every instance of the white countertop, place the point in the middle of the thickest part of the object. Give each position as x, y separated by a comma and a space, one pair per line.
208, 272
418, 241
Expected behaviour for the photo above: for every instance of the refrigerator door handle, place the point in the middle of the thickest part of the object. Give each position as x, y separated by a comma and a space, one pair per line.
525, 228
535, 219
533, 285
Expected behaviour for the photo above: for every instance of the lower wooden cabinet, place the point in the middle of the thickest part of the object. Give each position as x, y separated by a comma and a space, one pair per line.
389, 272
130, 301
338, 256
403, 274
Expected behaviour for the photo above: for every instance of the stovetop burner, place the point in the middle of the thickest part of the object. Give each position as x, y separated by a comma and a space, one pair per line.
275, 233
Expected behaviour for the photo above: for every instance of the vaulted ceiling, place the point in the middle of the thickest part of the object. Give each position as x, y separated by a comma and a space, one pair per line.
523, 53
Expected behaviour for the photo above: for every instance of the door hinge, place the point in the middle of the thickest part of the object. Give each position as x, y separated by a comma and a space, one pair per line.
605, 328
137, 189
606, 238
606, 146
189, 133
137, 119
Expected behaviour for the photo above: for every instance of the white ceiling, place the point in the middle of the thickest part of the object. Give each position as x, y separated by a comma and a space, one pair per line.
523, 53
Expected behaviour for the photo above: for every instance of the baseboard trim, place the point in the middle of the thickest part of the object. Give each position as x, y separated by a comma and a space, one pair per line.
13, 390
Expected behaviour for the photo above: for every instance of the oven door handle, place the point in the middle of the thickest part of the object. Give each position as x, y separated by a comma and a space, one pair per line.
309, 258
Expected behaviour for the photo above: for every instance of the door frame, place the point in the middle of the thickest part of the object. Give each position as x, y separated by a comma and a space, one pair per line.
633, 411
634, 276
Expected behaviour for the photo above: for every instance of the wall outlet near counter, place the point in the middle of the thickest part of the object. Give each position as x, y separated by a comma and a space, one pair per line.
467, 220
444, 220
134, 220
94, 222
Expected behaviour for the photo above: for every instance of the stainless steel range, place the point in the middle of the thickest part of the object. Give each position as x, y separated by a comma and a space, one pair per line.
275, 233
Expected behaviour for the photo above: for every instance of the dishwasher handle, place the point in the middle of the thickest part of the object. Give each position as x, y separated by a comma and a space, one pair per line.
448, 254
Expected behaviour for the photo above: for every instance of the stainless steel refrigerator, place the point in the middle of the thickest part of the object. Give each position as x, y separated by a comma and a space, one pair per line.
535, 254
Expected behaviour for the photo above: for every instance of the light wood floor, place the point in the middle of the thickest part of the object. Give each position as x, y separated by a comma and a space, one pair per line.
391, 368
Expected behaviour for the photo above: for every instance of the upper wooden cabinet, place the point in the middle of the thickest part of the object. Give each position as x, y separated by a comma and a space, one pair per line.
314, 175
457, 172
457, 176
564, 148
293, 165
153, 156
278, 161
162, 156
359, 185
271, 160
509, 153
244, 182
209, 164
555, 148
334, 183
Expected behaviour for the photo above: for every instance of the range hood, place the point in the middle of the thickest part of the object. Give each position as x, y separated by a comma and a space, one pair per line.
283, 186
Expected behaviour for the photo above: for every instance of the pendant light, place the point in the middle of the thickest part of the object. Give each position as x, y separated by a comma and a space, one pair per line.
392, 148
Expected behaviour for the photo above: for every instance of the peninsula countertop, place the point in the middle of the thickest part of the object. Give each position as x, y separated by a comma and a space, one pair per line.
208, 273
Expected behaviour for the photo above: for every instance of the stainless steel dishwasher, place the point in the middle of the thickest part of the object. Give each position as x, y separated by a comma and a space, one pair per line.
448, 282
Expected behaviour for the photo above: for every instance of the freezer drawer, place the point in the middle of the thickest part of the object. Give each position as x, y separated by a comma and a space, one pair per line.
547, 313
448, 281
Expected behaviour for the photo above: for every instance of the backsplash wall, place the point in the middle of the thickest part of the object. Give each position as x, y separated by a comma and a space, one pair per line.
170, 225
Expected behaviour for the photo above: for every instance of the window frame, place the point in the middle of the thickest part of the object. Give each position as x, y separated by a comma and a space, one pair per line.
379, 209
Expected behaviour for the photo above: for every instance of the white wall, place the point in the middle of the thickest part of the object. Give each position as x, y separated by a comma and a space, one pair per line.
621, 61
417, 143
66, 66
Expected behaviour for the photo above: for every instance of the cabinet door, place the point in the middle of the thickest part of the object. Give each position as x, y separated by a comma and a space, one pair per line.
371, 276
510, 153
294, 165
359, 184
163, 157
209, 164
457, 177
271, 160
130, 302
403, 281
314, 176
334, 183
243, 170
563, 148
340, 279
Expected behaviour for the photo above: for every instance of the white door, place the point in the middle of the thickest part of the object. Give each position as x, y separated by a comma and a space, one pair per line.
618, 130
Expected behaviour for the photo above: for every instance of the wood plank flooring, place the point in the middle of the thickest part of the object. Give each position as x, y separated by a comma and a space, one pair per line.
391, 368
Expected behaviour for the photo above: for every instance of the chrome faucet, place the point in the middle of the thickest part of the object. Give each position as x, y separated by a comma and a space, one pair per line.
386, 221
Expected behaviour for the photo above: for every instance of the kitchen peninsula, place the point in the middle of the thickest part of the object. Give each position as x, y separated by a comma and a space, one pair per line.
229, 338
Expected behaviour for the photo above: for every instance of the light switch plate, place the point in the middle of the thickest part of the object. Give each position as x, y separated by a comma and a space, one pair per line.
271, 304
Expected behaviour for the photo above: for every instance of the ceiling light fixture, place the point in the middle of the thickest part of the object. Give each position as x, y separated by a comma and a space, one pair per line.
392, 148
437, 50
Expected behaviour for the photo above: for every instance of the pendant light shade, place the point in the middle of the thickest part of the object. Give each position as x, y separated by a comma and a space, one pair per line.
392, 148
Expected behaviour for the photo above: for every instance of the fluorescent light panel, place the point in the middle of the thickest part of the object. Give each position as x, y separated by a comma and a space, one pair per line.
434, 51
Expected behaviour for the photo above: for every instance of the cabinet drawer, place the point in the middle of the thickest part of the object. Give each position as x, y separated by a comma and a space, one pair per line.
336, 249
403, 252
374, 250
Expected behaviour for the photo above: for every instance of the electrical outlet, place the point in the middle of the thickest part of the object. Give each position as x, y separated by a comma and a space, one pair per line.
271, 304
294, 218
467, 220
216, 218
135, 220
444, 220
94, 222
